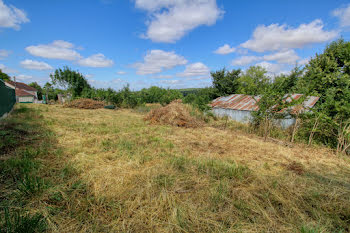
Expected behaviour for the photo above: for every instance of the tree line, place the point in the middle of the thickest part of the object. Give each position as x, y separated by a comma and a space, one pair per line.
327, 75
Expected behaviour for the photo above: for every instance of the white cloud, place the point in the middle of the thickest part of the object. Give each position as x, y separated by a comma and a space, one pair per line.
96, 60
195, 69
304, 61
162, 77
121, 72
276, 37
272, 68
170, 20
156, 61
24, 77
4, 53
58, 49
225, 49
245, 60
11, 17
285, 57
35, 65
171, 82
7, 70
282, 57
344, 15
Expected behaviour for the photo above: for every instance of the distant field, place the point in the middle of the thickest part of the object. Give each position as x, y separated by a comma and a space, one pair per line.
70, 170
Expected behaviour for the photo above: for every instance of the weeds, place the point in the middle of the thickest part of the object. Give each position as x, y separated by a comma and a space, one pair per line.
17, 222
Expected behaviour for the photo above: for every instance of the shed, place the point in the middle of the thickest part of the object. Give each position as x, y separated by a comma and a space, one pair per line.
239, 107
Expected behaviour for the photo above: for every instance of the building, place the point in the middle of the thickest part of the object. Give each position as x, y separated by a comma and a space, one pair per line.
24, 93
239, 107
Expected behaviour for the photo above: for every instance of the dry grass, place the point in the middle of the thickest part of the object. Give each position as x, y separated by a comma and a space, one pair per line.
85, 104
110, 171
175, 114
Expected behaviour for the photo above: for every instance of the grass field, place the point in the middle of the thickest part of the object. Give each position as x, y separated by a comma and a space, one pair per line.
70, 170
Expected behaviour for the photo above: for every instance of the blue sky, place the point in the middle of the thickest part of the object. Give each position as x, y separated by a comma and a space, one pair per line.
169, 43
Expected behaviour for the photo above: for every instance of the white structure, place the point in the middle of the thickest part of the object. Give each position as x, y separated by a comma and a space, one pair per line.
24, 93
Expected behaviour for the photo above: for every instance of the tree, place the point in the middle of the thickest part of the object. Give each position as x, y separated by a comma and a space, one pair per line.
38, 88
328, 75
253, 82
4, 76
71, 80
225, 82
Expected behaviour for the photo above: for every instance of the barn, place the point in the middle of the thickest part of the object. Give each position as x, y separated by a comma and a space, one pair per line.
239, 107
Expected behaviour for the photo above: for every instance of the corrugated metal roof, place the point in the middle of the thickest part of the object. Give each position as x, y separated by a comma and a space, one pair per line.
249, 103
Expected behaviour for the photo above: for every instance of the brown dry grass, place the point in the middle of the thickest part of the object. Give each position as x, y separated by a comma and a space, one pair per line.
85, 104
175, 114
129, 176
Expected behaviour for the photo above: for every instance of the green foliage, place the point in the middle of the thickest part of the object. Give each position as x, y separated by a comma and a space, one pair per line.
38, 88
14, 221
253, 82
71, 80
328, 76
4, 76
225, 82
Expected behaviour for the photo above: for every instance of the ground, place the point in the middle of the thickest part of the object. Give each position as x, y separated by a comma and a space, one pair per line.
74, 170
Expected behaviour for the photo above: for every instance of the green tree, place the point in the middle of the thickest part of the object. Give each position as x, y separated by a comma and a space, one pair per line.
71, 80
253, 82
4, 76
38, 88
328, 76
225, 82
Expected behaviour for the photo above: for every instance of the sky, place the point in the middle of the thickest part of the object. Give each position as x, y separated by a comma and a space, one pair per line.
168, 43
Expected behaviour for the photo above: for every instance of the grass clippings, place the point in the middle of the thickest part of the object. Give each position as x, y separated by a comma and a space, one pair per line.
175, 114
85, 104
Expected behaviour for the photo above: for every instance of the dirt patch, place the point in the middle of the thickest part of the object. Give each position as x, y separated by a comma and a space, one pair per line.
296, 167
85, 104
176, 114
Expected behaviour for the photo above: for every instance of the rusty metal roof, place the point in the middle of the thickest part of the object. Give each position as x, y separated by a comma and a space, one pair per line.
248, 103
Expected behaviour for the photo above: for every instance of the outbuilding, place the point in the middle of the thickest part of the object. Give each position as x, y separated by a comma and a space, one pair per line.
24, 93
239, 107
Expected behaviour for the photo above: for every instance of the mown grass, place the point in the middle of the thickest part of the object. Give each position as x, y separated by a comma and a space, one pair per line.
69, 170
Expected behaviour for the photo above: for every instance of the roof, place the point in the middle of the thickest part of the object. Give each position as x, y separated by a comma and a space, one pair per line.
249, 103
22, 86
22, 93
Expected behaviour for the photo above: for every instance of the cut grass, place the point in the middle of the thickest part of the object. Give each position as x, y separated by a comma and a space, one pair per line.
109, 171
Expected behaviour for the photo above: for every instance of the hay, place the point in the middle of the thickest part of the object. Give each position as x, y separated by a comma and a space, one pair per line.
175, 113
85, 104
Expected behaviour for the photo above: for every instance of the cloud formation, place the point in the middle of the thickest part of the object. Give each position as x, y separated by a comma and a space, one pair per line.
35, 65
4, 53
344, 15
195, 69
170, 20
225, 49
277, 37
12, 17
58, 49
96, 60
157, 61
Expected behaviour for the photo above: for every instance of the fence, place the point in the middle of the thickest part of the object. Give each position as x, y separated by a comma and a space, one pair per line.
7, 99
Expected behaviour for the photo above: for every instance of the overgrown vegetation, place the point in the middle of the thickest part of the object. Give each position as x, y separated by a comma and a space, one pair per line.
327, 76
72, 170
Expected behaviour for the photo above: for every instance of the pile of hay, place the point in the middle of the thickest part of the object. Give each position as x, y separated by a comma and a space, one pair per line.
175, 113
85, 104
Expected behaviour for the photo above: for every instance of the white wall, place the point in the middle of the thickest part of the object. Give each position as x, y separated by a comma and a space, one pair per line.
246, 116
26, 99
